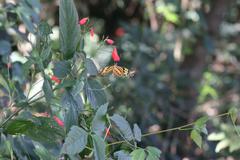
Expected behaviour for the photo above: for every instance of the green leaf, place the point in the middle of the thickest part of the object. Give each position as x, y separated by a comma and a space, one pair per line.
196, 137
123, 126
47, 89
122, 155
61, 69
5, 47
42, 152
91, 67
75, 142
95, 93
200, 124
46, 52
44, 29
137, 133
73, 105
46, 130
233, 114
138, 154
3, 82
42, 129
18, 126
222, 144
69, 28
99, 147
153, 153
98, 123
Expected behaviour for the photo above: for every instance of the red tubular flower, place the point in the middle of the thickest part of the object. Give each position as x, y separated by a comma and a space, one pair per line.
55, 79
115, 56
59, 121
109, 41
119, 32
83, 21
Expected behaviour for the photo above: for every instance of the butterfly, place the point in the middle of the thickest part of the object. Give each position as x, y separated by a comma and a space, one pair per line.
117, 71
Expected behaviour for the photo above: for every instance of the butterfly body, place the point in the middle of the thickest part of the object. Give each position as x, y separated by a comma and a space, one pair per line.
117, 71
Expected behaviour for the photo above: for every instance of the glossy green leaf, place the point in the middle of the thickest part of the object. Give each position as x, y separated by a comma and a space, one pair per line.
99, 148
138, 154
196, 137
95, 93
153, 153
137, 133
98, 123
75, 142
123, 126
69, 28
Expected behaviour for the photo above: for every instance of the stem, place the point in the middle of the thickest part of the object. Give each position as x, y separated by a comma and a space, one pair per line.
170, 129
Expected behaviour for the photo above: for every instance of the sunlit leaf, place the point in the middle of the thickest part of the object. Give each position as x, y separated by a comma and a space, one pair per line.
153, 153
138, 154
99, 147
222, 144
196, 137
216, 136
75, 142
123, 126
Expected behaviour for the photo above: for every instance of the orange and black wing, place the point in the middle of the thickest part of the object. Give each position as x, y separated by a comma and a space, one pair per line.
120, 71
106, 70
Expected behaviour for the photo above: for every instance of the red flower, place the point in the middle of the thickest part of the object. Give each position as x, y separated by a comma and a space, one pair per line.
119, 32
109, 41
56, 79
83, 21
115, 56
107, 134
59, 121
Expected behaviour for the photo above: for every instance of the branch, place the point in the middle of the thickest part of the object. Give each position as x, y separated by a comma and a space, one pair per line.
170, 129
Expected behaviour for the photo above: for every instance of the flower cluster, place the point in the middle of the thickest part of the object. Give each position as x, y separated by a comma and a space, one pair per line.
84, 21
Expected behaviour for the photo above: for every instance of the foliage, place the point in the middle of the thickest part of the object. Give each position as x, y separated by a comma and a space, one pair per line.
55, 104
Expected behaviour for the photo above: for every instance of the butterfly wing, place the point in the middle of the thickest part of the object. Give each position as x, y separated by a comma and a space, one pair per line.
106, 70
120, 71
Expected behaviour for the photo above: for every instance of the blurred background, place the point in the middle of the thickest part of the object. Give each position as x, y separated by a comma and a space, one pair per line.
186, 54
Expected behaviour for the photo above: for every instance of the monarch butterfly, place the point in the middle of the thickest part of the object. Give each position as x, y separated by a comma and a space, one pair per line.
117, 71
